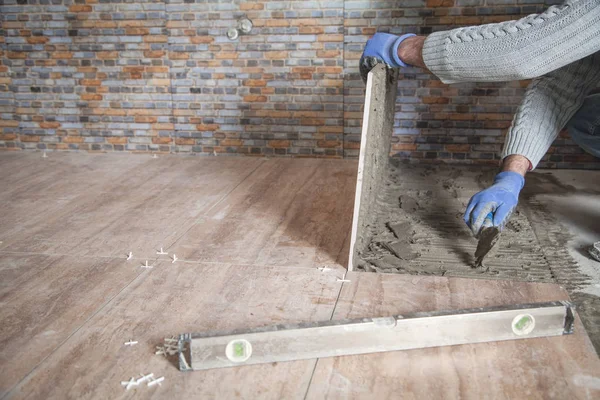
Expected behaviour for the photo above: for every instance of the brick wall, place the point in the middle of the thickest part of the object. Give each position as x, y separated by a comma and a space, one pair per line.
161, 76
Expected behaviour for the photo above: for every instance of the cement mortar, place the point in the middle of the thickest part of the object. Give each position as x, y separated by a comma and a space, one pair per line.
418, 229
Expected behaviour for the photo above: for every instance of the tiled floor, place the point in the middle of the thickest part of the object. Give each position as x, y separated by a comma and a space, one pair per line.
249, 235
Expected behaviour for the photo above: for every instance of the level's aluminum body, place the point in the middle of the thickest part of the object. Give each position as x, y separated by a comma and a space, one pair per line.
371, 335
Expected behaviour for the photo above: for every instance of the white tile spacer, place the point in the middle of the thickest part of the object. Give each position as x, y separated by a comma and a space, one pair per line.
324, 269
145, 378
344, 278
156, 381
174, 259
130, 255
154, 155
171, 340
160, 351
131, 343
161, 251
146, 265
129, 384
44, 155
170, 347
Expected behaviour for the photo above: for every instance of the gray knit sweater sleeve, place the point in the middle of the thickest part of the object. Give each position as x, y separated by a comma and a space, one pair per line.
559, 43
549, 103
515, 50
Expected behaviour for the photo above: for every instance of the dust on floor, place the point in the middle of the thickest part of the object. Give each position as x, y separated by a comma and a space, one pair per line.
419, 230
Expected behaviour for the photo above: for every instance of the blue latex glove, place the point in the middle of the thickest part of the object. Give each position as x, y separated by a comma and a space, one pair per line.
382, 48
499, 200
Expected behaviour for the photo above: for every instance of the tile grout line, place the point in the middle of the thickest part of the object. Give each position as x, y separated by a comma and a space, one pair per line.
216, 204
337, 299
61, 344
234, 188
50, 254
190, 262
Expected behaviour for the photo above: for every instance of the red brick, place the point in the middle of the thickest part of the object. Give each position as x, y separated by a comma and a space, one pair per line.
207, 127
440, 3
116, 140
154, 54
328, 53
37, 40
251, 6
98, 24
49, 125
330, 129
202, 39
156, 39
144, 119
185, 141
276, 55
330, 38
329, 70
231, 142
133, 69
252, 98
107, 54
277, 23
493, 117
458, 148
80, 8
157, 69
369, 31
177, 55
16, 54
91, 97
328, 143
29, 138
435, 100
128, 23
91, 82
162, 140
403, 147
254, 82
163, 127
137, 31
352, 145
278, 144
311, 30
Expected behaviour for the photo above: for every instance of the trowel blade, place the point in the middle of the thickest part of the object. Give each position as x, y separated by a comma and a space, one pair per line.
487, 239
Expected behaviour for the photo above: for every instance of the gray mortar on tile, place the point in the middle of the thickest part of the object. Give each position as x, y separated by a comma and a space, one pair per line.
418, 229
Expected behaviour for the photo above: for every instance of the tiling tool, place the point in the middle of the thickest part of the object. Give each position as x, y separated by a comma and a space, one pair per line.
488, 236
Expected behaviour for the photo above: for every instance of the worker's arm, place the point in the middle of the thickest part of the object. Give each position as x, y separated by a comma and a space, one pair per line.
549, 103
522, 49
513, 50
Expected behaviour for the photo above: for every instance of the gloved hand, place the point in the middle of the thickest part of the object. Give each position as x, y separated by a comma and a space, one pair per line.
381, 48
500, 199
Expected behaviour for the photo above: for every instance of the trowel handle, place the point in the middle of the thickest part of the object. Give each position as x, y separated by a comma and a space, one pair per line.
488, 221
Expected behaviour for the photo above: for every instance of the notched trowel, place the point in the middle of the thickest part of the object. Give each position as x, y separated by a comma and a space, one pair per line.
488, 236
